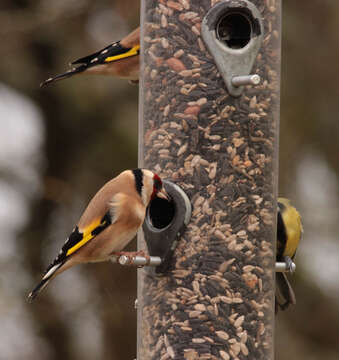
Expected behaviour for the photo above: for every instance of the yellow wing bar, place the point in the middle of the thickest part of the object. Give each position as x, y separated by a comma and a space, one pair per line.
132, 52
87, 236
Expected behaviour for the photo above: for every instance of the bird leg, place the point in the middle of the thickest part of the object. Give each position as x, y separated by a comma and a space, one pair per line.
289, 263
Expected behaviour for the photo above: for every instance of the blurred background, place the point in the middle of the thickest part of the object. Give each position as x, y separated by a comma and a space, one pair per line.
58, 145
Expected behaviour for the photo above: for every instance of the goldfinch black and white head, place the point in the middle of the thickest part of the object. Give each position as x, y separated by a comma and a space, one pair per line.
110, 221
289, 233
120, 59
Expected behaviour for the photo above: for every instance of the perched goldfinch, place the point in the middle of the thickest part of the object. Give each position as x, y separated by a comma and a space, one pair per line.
289, 232
109, 223
119, 59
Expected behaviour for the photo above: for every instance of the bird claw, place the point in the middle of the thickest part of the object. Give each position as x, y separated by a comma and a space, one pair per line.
289, 264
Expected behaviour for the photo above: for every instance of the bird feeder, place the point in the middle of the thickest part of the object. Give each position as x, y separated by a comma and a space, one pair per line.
208, 123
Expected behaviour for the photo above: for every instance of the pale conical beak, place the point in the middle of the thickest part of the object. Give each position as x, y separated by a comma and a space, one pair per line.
163, 194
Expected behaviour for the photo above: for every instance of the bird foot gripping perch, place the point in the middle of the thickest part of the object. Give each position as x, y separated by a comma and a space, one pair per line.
284, 267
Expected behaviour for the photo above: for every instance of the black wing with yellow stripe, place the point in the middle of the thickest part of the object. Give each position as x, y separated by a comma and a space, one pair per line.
75, 241
110, 53
78, 239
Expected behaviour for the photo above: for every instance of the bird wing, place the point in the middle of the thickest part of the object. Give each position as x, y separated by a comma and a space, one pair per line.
281, 236
289, 229
80, 236
110, 53
284, 292
75, 242
99, 214
77, 239
86, 59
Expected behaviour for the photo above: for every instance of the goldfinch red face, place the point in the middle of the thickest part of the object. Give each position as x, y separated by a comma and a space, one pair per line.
158, 190
150, 186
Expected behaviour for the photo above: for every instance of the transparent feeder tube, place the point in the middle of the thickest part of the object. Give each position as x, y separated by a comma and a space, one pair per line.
217, 301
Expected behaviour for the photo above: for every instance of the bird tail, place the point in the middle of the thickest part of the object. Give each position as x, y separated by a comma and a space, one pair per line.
284, 293
67, 74
45, 280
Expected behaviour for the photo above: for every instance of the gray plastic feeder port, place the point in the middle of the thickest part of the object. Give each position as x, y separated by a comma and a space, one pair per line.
165, 222
233, 31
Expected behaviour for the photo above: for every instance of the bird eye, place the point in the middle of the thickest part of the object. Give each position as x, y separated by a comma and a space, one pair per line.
281, 206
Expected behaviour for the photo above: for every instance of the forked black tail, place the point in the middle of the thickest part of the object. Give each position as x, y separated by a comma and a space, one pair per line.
284, 292
45, 280
65, 75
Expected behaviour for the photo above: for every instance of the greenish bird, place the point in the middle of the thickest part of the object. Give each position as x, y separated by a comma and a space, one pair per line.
289, 233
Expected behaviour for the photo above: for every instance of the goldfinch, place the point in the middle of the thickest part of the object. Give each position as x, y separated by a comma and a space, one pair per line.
109, 223
119, 59
289, 232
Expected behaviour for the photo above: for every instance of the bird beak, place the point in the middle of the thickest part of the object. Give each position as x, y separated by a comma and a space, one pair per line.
163, 194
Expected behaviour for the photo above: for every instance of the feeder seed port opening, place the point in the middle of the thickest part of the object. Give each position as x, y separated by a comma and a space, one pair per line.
160, 214
233, 31
164, 224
